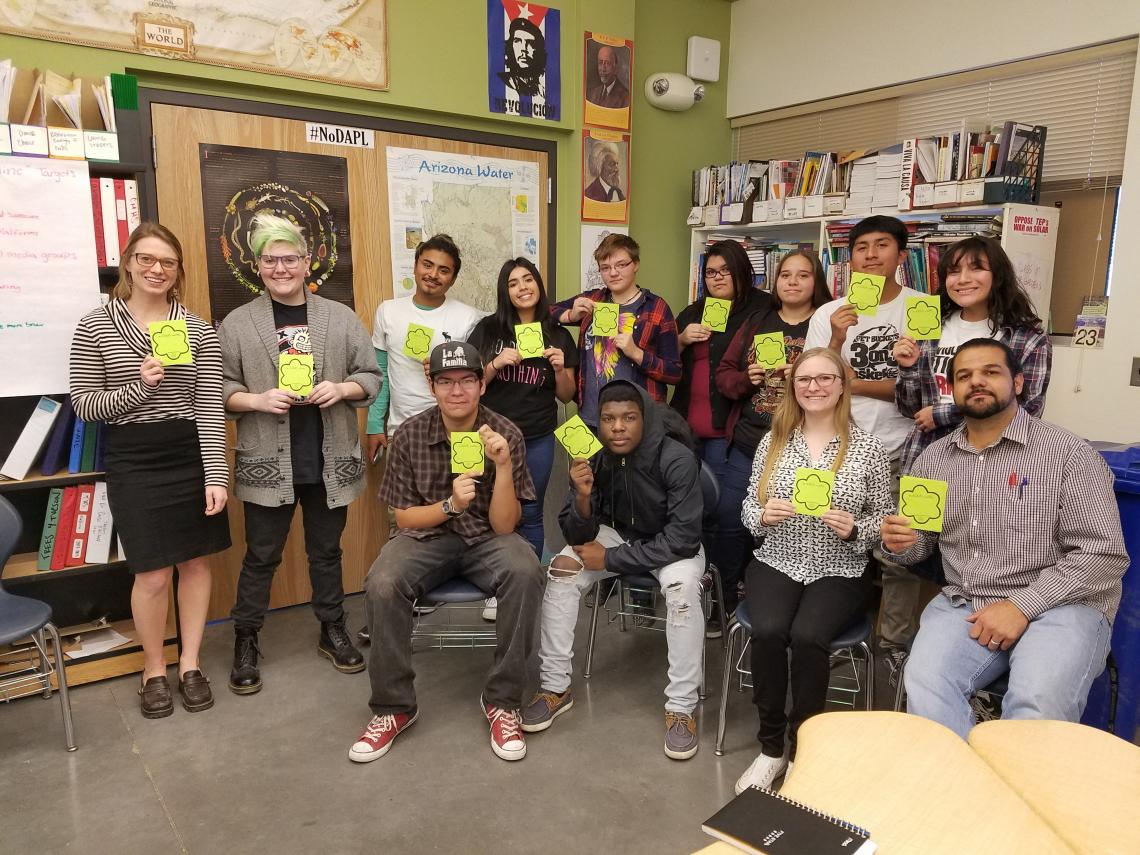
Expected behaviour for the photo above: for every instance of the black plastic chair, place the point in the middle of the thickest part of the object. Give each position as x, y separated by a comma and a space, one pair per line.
23, 617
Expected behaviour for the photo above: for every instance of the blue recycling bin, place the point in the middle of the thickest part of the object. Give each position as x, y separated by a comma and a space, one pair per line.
1124, 460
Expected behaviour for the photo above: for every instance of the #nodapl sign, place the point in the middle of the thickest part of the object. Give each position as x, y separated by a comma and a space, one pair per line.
524, 60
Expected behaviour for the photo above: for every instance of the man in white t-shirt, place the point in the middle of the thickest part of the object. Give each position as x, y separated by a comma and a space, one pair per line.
878, 245
405, 328
404, 333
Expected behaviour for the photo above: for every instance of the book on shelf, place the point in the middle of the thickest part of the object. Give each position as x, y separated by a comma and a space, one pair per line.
51, 526
58, 447
65, 527
762, 821
32, 438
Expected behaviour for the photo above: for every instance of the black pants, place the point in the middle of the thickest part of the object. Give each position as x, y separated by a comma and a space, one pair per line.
805, 618
504, 566
266, 530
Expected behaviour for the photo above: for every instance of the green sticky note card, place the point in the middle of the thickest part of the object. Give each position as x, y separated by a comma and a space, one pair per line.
924, 317
865, 292
812, 492
769, 349
605, 320
529, 341
466, 452
417, 343
578, 440
295, 373
715, 315
923, 502
170, 342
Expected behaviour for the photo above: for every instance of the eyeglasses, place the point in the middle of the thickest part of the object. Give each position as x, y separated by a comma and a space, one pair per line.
616, 267
464, 383
146, 261
290, 261
824, 381
720, 273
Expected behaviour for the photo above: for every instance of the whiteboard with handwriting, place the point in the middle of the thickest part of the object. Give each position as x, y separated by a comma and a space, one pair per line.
49, 276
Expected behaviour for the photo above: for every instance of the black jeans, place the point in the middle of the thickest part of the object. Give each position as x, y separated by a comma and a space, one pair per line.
504, 566
788, 614
266, 530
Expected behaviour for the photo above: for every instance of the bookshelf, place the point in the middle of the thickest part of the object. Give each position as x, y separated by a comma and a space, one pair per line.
1028, 235
78, 595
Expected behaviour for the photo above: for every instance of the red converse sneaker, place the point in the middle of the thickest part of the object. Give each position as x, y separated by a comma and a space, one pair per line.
506, 737
377, 738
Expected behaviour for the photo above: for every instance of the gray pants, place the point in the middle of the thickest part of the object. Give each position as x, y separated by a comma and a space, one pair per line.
902, 590
505, 566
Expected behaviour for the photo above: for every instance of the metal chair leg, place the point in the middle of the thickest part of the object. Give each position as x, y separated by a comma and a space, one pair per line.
622, 592
593, 629
718, 586
899, 688
869, 672
64, 698
45, 664
729, 657
703, 691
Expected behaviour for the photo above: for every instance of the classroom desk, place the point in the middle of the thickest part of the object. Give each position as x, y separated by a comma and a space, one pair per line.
913, 784
1083, 782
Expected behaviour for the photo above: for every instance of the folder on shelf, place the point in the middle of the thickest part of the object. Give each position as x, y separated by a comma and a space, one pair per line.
65, 527
59, 443
75, 458
110, 221
51, 527
99, 538
35, 433
97, 219
90, 435
82, 527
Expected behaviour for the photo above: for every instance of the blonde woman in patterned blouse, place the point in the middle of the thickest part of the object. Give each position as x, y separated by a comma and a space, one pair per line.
808, 582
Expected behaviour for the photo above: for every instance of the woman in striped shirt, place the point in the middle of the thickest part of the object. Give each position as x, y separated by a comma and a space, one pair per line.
153, 372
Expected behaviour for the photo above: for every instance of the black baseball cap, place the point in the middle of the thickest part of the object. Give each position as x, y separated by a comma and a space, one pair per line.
455, 356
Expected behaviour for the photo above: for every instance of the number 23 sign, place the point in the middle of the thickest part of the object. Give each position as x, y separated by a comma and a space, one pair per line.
1089, 331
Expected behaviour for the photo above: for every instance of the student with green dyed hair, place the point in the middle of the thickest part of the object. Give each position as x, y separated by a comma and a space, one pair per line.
294, 448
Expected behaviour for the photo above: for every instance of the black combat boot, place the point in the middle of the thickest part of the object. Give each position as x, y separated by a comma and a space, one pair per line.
337, 646
245, 679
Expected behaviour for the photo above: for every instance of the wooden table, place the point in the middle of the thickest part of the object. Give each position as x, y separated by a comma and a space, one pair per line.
914, 785
1083, 782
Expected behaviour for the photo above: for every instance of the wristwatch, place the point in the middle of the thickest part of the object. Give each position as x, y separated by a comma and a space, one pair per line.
851, 538
449, 510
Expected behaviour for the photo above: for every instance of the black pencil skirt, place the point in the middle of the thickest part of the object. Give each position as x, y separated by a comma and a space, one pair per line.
157, 493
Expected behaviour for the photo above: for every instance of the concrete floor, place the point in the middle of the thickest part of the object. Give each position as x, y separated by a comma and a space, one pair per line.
269, 772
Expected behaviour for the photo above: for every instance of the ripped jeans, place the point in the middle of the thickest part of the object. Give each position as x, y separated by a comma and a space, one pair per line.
684, 627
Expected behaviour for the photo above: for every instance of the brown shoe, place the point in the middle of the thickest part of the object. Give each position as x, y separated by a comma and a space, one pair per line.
157, 701
195, 691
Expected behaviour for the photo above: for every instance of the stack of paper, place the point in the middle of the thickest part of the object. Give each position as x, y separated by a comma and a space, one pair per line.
7, 79
106, 103
887, 173
67, 95
862, 190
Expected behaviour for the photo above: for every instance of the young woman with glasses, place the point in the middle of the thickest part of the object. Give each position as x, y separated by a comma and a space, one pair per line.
165, 440
527, 389
297, 367
808, 581
753, 392
727, 275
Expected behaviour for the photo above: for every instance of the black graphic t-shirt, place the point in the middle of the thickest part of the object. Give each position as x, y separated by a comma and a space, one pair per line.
756, 412
305, 429
524, 393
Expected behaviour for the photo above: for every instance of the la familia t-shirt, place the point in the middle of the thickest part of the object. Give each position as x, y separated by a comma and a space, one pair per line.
955, 333
524, 393
305, 429
868, 348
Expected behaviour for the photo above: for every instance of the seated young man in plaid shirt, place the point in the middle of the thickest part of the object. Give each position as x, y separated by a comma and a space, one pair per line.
452, 525
1031, 548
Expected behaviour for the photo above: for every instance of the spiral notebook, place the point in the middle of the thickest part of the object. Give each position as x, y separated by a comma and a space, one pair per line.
764, 822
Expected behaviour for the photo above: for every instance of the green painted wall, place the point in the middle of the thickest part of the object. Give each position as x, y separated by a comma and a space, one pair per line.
667, 147
437, 73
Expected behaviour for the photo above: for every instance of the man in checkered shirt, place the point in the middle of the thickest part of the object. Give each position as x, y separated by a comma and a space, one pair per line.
1032, 552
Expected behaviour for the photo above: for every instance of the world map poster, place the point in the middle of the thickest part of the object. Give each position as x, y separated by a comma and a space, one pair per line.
488, 205
338, 41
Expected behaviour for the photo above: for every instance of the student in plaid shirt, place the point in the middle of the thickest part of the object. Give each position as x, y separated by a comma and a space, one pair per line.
645, 349
981, 298
1031, 548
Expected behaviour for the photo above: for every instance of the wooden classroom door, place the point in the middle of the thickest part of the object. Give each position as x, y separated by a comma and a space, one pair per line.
178, 133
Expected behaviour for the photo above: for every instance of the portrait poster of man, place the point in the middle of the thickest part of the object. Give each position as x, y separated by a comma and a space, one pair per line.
605, 176
609, 69
311, 190
524, 76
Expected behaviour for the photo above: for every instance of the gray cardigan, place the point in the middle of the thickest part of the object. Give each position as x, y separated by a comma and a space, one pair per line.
342, 352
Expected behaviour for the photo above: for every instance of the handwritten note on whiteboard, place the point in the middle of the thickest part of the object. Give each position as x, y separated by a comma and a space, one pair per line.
48, 272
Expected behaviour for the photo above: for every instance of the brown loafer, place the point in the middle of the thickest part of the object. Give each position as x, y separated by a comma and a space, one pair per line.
157, 700
195, 690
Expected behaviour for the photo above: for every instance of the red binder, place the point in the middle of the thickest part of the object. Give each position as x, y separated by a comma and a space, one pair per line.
121, 213
62, 548
82, 527
97, 216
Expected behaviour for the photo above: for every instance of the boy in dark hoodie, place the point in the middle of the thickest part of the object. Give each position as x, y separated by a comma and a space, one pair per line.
636, 508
